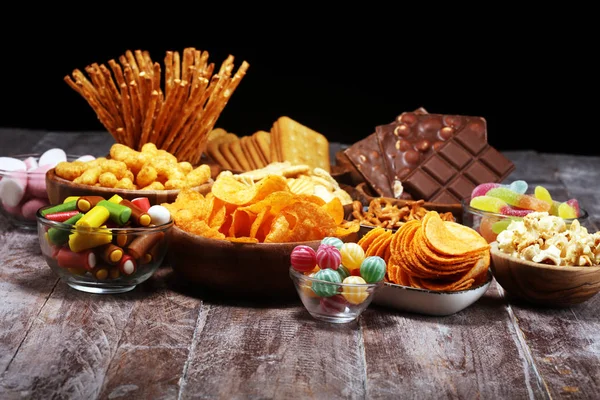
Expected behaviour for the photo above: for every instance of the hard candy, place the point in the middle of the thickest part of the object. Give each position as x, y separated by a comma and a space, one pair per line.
328, 256
330, 285
372, 269
303, 258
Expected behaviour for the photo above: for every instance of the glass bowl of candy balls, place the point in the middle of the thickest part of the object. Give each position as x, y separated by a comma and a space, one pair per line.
493, 206
336, 283
104, 246
23, 184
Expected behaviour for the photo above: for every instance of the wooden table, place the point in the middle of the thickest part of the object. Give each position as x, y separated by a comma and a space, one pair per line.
163, 341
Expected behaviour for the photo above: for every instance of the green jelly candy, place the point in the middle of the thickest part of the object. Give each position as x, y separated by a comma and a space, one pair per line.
60, 236
323, 289
344, 272
333, 241
372, 269
501, 225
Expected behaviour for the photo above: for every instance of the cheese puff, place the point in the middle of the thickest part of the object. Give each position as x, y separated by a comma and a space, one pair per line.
70, 170
185, 167
94, 163
198, 176
166, 170
89, 177
107, 179
146, 176
156, 185
133, 159
165, 155
129, 175
149, 148
118, 168
175, 184
125, 183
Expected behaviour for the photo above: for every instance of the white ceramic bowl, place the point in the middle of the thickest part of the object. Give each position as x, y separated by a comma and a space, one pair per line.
429, 302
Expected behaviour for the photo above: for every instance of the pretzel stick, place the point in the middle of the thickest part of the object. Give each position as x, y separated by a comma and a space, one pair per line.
148, 118
168, 73
180, 98
107, 96
176, 66
188, 59
127, 114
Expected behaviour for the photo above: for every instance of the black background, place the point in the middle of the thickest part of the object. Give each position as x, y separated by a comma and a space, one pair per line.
533, 78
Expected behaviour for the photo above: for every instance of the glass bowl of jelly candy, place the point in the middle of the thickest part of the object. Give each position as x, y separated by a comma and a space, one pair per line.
337, 282
104, 246
23, 185
492, 207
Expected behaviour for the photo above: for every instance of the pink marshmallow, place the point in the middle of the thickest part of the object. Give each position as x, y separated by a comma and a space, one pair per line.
30, 207
13, 187
31, 163
52, 157
16, 211
36, 183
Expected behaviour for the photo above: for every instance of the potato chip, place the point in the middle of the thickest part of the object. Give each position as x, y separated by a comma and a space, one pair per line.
335, 209
368, 237
232, 191
451, 238
241, 223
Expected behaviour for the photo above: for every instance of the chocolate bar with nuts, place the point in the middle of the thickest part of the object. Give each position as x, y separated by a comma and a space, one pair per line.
460, 164
413, 136
366, 157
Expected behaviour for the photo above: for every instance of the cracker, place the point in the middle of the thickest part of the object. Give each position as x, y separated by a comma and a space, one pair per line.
275, 147
251, 154
262, 139
300, 144
240, 155
226, 150
213, 148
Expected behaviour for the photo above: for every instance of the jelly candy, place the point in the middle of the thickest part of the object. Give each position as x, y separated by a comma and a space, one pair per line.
482, 189
514, 212
352, 255
542, 193
372, 269
575, 204
487, 203
303, 258
518, 186
324, 289
328, 256
355, 294
566, 211
519, 200
333, 241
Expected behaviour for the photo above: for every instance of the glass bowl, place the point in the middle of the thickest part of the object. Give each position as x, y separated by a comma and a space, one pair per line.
23, 192
343, 302
490, 224
102, 260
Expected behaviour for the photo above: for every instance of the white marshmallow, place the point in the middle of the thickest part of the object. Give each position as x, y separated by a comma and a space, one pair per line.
36, 181
86, 158
30, 207
13, 187
31, 163
52, 157
12, 164
159, 214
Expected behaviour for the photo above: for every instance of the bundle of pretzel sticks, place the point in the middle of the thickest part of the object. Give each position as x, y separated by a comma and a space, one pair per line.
176, 115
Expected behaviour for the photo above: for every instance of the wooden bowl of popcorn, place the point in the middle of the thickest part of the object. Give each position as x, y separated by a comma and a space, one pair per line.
152, 173
547, 262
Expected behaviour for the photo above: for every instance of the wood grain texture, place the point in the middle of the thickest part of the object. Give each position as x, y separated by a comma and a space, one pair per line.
166, 340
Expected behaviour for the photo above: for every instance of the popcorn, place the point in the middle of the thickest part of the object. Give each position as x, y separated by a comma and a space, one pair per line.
544, 238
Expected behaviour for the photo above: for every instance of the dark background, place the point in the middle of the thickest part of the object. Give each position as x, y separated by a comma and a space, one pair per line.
534, 84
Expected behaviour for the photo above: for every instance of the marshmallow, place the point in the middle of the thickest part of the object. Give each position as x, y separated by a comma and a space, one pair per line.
16, 211
31, 163
36, 181
30, 207
52, 157
12, 164
12, 188
159, 214
86, 158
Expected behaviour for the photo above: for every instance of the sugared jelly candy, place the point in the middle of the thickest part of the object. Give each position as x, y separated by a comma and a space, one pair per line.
575, 204
343, 271
352, 255
566, 211
542, 193
514, 212
487, 203
519, 200
303, 258
334, 304
325, 289
333, 241
355, 294
372, 269
483, 188
501, 225
518, 186
328, 256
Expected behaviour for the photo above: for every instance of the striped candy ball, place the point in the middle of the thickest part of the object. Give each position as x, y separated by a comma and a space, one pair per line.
343, 271
324, 289
328, 257
352, 255
355, 294
303, 258
333, 241
372, 269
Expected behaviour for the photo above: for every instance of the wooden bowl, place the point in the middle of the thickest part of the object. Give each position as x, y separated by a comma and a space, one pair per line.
364, 194
59, 189
241, 270
543, 284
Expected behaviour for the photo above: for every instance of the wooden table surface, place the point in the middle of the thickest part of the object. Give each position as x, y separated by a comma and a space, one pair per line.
164, 341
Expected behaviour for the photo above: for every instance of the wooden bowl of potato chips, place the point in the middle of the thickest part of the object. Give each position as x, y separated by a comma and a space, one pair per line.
237, 239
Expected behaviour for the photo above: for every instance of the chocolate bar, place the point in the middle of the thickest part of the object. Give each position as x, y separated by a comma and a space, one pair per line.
413, 136
366, 157
450, 174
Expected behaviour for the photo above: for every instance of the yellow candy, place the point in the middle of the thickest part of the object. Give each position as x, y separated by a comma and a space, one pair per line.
355, 294
565, 211
115, 199
97, 216
80, 241
70, 198
352, 255
543, 194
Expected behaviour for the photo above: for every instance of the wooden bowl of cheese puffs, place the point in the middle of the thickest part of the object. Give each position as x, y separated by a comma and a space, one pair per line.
150, 172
